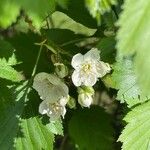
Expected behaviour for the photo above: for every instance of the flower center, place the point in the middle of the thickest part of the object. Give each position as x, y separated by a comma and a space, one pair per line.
86, 68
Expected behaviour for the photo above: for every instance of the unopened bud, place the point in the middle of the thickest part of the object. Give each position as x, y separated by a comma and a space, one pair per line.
85, 99
71, 103
61, 70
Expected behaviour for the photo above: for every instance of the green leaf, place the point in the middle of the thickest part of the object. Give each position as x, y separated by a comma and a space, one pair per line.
36, 11
20, 125
76, 10
99, 7
62, 21
6, 15
106, 46
125, 81
7, 60
133, 37
8, 72
136, 134
26, 52
91, 126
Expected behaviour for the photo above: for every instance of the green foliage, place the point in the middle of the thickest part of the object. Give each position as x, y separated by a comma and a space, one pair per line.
136, 134
125, 80
99, 7
133, 37
62, 21
35, 13
7, 60
91, 129
17, 113
78, 12
38, 40
107, 49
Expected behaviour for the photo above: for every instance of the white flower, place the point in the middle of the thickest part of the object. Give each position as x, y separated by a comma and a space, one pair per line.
54, 110
85, 99
88, 68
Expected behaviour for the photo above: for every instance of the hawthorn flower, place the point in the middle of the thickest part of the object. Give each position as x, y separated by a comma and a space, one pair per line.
88, 68
85, 97
54, 110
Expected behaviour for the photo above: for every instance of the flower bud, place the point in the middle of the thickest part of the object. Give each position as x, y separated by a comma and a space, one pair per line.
71, 103
61, 70
85, 99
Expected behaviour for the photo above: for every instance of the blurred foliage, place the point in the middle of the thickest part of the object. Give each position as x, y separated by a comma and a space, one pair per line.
36, 36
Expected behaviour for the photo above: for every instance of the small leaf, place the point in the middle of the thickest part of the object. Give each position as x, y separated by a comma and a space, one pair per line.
8, 72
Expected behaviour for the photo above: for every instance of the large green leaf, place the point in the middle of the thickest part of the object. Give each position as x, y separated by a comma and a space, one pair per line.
76, 10
62, 21
26, 53
91, 129
125, 80
21, 127
133, 37
36, 11
136, 134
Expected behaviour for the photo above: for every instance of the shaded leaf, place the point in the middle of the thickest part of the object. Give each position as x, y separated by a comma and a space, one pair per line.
125, 81
91, 126
136, 134
133, 37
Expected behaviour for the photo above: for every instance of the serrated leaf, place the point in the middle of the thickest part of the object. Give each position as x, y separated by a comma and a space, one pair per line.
49, 87
7, 60
136, 134
21, 127
25, 49
8, 72
36, 11
91, 126
133, 37
125, 81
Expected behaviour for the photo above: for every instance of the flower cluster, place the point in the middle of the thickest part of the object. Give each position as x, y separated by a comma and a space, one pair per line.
88, 68
54, 92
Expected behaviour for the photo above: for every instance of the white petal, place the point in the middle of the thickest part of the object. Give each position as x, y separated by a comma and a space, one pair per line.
90, 79
77, 60
63, 112
43, 108
93, 54
64, 100
102, 68
76, 79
